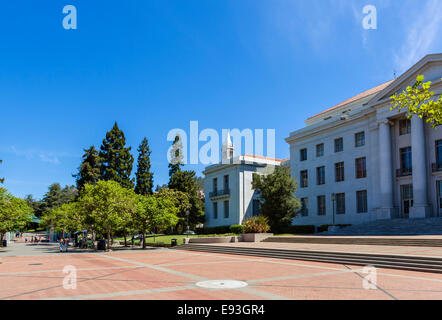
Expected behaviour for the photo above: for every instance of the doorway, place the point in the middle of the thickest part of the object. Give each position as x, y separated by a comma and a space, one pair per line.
406, 199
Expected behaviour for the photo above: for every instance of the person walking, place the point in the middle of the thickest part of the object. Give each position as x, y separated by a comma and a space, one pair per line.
60, 243
66, 244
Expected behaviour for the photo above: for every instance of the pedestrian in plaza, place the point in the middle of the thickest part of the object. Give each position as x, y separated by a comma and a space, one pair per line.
66, 243
60, 243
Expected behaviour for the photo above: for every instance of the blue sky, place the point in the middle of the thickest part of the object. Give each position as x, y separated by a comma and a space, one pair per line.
155, 65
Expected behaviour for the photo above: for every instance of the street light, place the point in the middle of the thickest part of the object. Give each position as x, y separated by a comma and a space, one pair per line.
187, 215
333, 197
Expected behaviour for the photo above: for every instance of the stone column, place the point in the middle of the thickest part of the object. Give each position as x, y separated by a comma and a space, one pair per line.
421, 208
385, 171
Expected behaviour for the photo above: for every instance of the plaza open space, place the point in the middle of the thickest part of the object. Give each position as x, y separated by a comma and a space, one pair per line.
35, 271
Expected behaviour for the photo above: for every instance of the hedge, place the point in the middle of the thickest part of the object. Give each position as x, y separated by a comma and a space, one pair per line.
237, 229
213, 230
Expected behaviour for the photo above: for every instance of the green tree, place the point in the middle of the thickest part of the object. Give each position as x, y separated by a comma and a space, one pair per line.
116, 159
176, 157
186, 181
89, 170
278, 201
182, 203
420, 101
144, 176
108, 205
14, 213
56, 197
67, 218
154, 213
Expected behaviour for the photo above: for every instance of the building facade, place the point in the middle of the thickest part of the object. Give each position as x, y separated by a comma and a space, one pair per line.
229, 196
360, 161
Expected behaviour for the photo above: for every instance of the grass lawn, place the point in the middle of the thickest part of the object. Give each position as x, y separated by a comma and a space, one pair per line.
168, 238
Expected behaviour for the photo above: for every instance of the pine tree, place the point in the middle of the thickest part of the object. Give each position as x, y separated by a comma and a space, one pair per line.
116, 160
176, 158
143, 175
89, 170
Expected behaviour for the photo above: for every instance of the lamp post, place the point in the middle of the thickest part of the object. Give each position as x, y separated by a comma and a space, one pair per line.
187, 215
333, 197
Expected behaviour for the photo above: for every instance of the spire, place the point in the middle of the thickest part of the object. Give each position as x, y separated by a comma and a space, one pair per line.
229, 140
227, 149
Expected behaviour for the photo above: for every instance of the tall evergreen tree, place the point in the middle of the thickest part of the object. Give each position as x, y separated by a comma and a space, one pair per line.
143, 175
176, 158
116, 160
186, 181
89, 170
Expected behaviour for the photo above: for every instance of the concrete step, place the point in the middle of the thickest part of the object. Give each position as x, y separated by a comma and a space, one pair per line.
359, 241
413, 263
429, 226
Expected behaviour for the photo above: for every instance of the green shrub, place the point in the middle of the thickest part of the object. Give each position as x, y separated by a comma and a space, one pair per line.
237, 229
213, 230
258, 224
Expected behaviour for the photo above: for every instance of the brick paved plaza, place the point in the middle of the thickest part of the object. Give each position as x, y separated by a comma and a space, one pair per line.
35, 272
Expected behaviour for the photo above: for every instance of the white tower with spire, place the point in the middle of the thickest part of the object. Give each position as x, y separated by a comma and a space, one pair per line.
227, 150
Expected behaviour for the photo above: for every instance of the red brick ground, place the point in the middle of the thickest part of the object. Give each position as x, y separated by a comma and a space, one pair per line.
170, 274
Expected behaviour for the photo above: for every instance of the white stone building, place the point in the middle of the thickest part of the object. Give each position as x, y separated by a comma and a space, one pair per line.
358, 161
229, 197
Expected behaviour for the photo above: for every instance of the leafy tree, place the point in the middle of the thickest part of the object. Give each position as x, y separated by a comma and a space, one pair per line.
67, 218
200, 182
181, 201
420, 101
154, 213
144, 176
278, 201
185, 181
14, 213
108, 205
89, 170
116, 159
35, 205
158, 188
56, 197
176, 157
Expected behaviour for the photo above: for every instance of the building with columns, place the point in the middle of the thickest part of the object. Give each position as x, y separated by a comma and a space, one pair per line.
359, 161
229, 196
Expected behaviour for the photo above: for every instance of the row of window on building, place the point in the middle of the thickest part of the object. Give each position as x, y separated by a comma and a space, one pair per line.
256, 208
339, 146
339, 198
226, 183
360, 172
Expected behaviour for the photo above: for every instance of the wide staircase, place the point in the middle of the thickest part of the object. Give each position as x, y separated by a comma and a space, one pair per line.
411, 263
429, 226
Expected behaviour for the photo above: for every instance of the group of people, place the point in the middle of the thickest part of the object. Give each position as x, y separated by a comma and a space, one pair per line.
63, 243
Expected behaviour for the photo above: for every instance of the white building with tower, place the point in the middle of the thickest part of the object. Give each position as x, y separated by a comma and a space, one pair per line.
359, 161
229, 196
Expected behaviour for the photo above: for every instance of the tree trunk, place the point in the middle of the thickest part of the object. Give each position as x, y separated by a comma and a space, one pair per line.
144, 239
1, 240
125, 239
108, 239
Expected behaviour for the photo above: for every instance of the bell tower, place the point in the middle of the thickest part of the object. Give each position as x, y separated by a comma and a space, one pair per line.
227, 150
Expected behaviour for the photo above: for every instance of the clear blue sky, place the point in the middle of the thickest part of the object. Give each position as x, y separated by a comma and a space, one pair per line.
155, 65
